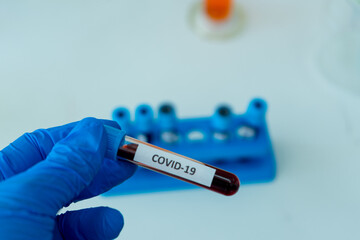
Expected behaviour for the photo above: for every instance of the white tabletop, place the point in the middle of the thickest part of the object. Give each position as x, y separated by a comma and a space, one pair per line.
66, 60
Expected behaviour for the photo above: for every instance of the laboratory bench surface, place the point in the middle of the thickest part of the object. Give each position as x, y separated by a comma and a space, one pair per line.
63, 61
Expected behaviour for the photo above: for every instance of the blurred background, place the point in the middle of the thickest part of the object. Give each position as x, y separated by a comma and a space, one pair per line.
61, 61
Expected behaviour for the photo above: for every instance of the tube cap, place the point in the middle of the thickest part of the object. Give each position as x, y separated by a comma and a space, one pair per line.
114, 138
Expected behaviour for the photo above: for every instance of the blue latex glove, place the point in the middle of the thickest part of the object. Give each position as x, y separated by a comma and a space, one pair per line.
43, 171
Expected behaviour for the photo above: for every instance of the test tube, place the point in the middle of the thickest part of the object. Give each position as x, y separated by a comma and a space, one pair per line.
122, 116
167, 123
160, 160
144, 117
221, 122
255, 114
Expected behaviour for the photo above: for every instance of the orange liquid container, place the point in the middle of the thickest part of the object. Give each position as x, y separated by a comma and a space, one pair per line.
218, 10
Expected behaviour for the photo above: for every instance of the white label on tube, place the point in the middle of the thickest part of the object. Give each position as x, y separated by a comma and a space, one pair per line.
174, 164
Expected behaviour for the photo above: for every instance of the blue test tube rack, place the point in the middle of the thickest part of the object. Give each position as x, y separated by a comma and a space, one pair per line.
237, 143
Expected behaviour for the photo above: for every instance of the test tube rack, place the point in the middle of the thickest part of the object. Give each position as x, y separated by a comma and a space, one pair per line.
240, 143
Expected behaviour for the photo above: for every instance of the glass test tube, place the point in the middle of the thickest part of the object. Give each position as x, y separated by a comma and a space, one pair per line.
178, 166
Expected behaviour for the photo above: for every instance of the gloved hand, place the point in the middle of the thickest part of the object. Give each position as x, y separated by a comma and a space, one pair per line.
43, 171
